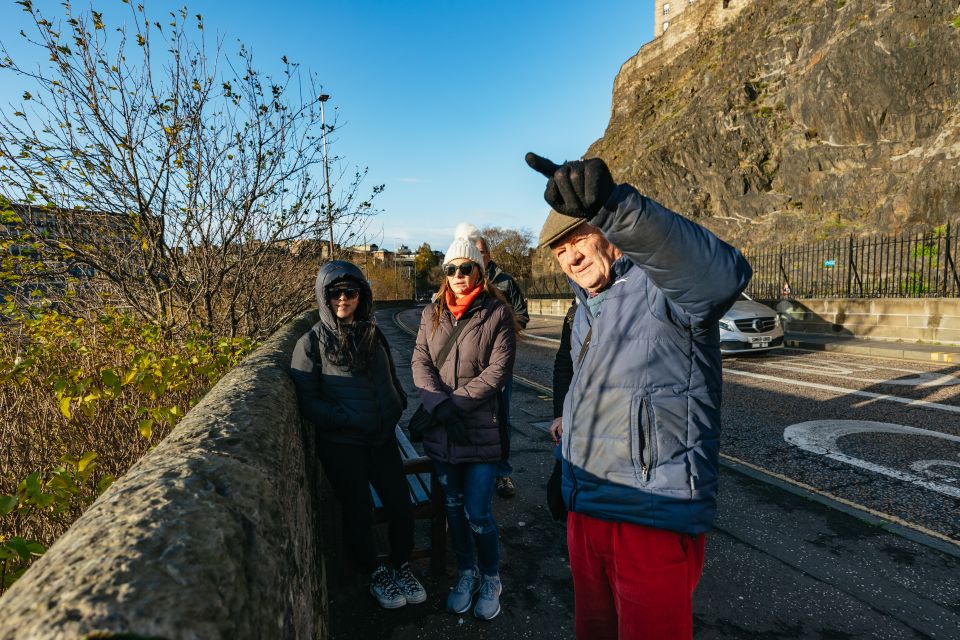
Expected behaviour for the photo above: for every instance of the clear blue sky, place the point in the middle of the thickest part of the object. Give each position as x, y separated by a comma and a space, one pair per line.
439, 99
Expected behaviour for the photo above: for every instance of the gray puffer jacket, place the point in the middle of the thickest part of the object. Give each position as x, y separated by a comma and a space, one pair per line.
344, 406
476, 368
641, 419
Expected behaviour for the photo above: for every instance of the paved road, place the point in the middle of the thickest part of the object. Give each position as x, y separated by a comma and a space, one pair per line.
779, 565
880, 433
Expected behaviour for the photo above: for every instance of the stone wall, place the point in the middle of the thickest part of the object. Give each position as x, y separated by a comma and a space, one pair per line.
213, 534
548, 306
931, 320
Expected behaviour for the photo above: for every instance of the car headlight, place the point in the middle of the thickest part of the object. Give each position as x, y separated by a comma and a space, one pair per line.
776, 321
727, 325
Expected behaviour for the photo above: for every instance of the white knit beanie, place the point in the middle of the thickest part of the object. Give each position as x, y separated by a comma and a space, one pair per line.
464, 244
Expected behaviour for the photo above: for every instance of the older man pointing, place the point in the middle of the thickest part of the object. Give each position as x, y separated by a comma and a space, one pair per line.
641, 420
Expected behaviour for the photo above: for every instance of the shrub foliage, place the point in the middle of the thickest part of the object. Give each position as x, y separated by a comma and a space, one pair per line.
81, 399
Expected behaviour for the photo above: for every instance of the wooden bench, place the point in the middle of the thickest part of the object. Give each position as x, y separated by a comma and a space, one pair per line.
427, 498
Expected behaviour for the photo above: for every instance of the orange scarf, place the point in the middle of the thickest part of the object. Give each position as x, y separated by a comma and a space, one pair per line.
459, 306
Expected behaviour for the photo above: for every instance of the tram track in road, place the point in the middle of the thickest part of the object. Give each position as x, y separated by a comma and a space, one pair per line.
901, 526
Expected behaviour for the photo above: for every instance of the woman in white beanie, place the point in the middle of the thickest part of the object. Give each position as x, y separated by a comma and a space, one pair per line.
464, 355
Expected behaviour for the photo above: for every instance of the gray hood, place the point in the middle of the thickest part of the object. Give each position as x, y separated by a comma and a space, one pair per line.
342, 270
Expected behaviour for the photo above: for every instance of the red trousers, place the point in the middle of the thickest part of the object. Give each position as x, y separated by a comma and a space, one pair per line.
631, 581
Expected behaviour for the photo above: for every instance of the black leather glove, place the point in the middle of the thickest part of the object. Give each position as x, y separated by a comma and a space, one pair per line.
452, 420
578, 188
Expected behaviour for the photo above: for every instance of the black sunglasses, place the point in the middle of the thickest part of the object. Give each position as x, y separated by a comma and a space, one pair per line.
465, 269
349, 292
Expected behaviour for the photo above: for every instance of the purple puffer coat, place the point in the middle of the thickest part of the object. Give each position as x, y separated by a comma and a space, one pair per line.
477, 366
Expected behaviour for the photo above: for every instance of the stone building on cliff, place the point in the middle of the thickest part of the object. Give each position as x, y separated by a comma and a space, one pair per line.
675, 21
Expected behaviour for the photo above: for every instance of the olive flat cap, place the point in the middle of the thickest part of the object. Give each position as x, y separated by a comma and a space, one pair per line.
556, 226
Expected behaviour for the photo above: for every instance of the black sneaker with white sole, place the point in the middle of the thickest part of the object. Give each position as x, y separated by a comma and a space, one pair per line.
411, 588
385, 589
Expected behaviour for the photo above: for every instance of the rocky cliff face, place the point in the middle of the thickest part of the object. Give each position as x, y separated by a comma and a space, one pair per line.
799, 120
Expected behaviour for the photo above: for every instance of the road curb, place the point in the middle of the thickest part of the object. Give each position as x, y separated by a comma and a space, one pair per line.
900, 352
884, 521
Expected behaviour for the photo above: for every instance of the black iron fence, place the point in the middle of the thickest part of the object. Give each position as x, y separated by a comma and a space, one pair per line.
551, 285
909, 265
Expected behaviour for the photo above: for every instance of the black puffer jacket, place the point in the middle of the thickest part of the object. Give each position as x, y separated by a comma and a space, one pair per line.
511, 291
563, 364
357, 408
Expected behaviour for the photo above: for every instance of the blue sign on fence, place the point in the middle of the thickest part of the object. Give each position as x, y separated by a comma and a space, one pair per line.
829, 263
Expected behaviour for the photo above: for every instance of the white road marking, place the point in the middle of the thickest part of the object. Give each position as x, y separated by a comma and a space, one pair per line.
845, 391
733, 461
827, 361
846, 369
820, 436
925, 466
534, 336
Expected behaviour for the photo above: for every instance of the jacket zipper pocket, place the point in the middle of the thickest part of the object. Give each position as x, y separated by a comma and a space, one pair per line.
645, 420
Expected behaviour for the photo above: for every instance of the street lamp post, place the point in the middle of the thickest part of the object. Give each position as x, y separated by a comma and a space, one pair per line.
326, 172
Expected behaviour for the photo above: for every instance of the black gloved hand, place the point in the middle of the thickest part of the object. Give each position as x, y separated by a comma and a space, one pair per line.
578, 188
450, 417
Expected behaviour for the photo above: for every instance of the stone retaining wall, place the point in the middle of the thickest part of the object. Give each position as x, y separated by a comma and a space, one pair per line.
548, 306
930, 320
213, 534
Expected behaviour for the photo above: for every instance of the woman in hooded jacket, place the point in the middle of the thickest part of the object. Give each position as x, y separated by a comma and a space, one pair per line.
348, 388
471, 320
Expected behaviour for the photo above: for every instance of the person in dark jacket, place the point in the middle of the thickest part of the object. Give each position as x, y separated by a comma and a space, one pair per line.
641, 417
514, 296
468, 437
505, 283
562, 372
562, 375
348, 388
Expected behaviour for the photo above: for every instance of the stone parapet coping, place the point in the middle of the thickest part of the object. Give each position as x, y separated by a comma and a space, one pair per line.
213, 534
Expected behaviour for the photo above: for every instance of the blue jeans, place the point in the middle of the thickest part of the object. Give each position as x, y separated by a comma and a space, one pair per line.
468, 489
504, 469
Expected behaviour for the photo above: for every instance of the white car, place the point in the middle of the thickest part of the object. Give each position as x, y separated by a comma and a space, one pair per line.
750, 326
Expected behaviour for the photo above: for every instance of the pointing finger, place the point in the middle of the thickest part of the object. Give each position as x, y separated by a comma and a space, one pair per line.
541, 165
